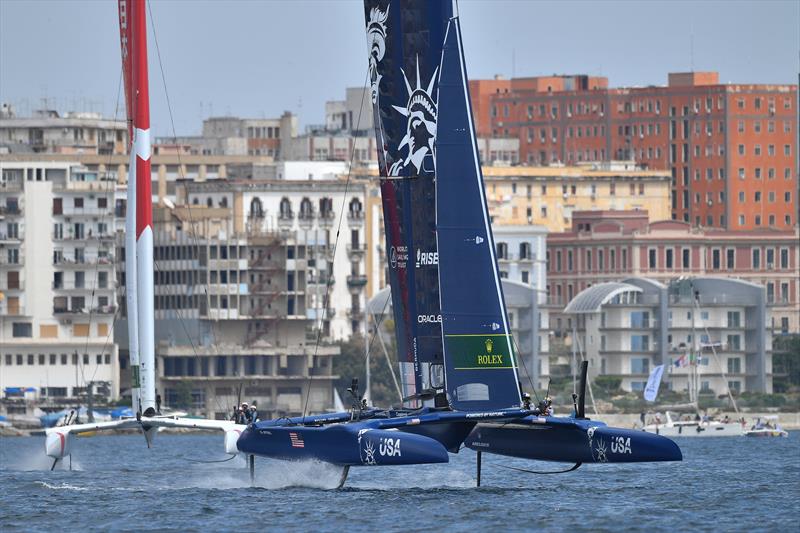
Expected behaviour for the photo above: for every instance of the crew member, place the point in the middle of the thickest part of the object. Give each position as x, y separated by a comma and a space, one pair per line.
526, 401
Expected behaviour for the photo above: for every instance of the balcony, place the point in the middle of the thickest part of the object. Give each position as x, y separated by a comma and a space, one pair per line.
356, 280
355, 313
13, 237
355, 217
286, 218
87, 236
104, 310
10, 210
65, 262
321, 280
355, 250
5, 263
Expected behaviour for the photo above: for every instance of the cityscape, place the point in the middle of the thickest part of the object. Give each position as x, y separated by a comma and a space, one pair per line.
586, 184
539, 238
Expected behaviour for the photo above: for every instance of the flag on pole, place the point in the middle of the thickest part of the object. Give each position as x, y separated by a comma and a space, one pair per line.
653, 382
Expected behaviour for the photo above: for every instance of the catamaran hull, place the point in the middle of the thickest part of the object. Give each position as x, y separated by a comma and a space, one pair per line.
571, 441
351, 444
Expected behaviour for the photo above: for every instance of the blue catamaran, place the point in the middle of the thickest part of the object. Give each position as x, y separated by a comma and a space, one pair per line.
457, 359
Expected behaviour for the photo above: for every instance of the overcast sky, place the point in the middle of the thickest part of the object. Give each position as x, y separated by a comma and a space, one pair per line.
259, 58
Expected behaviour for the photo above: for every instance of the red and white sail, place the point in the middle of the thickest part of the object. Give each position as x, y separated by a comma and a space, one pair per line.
139, 215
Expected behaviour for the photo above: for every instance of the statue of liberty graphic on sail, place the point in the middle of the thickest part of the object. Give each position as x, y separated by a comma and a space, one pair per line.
420, 110
420, 128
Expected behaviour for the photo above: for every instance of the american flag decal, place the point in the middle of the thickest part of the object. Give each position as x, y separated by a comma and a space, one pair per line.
297, 440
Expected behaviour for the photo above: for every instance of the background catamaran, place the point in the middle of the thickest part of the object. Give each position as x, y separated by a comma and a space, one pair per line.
138, 258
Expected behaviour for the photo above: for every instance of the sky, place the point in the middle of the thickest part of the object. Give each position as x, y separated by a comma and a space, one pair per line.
258, 58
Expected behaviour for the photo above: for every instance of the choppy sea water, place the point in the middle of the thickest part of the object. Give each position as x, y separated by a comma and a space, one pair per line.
723, 484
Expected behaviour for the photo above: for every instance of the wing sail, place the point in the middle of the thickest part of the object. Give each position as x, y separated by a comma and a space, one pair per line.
404, 41
480, 362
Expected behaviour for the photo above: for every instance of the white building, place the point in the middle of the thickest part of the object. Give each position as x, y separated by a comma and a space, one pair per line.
626, 328
57, 232
308, 214
73, 133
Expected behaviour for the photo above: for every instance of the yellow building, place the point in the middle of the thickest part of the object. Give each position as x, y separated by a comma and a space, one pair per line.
549, 195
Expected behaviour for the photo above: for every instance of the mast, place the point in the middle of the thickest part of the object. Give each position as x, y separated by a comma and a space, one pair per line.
138, 216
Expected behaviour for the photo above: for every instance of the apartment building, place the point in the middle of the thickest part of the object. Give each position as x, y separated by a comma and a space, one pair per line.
231, 322
548, 196
47, 131
715, 327
235, 136
612, 245
58, 225
327, 273
727, 147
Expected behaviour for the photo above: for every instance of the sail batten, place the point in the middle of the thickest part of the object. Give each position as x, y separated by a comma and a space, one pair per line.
476, 333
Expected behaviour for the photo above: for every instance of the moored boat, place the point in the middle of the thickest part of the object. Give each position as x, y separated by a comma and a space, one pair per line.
697, 427
769, 427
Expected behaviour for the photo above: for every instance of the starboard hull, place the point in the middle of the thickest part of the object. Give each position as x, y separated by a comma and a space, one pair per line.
571, 441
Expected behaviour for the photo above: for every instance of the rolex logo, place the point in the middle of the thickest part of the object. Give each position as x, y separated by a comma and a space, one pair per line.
489, 344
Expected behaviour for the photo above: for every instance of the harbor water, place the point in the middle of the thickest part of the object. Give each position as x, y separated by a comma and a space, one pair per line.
723, 484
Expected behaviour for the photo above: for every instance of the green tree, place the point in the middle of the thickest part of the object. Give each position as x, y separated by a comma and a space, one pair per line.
786, 363
183, 395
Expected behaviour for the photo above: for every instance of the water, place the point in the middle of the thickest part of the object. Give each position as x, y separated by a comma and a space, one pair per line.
722, 484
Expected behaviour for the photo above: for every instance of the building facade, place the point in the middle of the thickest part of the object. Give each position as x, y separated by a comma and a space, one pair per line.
714, 328
613, 245
58, 226
731, 149
73, 133
328, 273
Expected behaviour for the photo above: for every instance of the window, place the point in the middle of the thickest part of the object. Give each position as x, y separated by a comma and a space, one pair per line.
640, 319
787, 149
651, 258
784, 258
685, 261
639, 365
669, 257
21, 329
715, 259
730, 255
734, 319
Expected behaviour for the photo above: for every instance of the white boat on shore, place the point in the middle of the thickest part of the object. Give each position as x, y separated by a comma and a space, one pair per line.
699, 427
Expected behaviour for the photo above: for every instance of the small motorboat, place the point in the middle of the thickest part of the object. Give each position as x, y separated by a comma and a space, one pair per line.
766, 426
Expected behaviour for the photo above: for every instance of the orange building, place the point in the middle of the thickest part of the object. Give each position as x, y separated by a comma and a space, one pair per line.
731, 148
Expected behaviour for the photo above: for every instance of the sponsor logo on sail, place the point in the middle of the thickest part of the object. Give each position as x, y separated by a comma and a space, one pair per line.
398, 257
429, 319
427, 258
490, 359
477, 352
